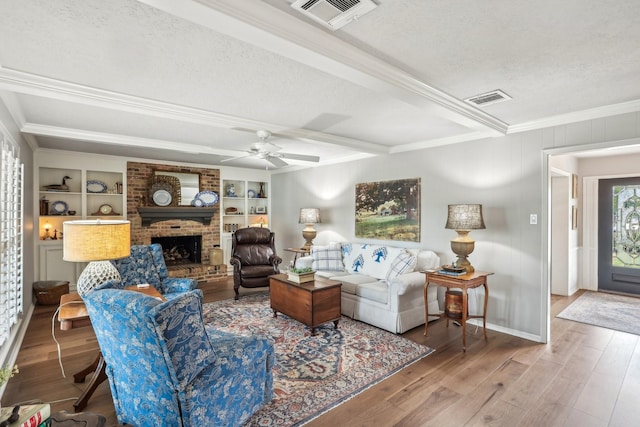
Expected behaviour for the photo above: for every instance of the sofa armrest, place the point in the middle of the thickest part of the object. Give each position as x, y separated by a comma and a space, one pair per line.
275, 260
235, 262
179, 284
304, 262
401, 284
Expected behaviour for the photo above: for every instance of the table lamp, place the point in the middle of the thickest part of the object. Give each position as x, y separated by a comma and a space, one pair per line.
308, 217
96, 242
463, 219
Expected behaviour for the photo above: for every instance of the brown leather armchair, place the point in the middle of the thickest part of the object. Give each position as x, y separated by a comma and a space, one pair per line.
254, 258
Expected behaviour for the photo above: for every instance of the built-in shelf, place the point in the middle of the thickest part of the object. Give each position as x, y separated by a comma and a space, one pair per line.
152, 214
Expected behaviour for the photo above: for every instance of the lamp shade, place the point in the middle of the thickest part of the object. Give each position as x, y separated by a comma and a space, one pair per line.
99, 240
309, 216
465, 217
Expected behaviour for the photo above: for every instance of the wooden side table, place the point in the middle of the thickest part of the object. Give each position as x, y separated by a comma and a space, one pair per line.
297, 252
464, 282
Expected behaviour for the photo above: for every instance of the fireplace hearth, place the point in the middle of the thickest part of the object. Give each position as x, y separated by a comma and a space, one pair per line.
180, 250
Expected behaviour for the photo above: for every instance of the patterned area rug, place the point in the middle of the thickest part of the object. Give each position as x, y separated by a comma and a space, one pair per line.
314, 373
610, 311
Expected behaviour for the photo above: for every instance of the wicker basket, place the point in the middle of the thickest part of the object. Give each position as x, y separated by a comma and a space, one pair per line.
48, 292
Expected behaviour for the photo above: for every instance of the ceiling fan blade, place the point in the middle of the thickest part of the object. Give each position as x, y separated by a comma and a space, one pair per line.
276, 161
236, 158
302, 157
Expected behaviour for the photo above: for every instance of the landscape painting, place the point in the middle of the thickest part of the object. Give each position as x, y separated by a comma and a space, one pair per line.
388, 210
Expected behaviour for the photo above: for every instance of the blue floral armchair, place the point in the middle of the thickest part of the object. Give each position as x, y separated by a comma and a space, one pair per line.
146, 265
166, 367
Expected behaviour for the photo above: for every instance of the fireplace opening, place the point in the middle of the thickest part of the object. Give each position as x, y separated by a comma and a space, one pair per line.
178, 250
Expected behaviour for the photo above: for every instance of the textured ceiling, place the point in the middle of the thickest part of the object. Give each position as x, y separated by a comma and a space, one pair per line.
196, 79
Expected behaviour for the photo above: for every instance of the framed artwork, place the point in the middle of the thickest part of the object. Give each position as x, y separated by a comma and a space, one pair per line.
574, 186
388, 210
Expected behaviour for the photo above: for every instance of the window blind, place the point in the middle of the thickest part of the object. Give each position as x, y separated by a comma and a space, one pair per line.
11, 238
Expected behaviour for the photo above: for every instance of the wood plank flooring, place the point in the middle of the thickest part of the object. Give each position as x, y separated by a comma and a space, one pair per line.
586, 376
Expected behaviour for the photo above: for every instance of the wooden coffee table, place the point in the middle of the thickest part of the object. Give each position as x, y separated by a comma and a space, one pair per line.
311, 303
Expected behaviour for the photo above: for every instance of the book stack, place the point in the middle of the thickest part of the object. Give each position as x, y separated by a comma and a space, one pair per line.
452, 271
35, 415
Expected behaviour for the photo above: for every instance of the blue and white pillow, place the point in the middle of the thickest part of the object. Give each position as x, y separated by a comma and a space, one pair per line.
378, 260
327, 258
404, 263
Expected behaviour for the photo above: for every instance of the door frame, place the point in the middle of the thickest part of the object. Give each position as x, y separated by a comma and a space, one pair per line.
590, 228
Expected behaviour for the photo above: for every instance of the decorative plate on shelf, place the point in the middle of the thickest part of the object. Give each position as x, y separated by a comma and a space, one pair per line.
197, 203
162, 198
95, 186
59, 208
208, 198
251, 194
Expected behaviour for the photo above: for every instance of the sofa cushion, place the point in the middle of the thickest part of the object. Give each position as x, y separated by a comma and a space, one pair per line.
350, 282
374, 291
327, 258
404, 263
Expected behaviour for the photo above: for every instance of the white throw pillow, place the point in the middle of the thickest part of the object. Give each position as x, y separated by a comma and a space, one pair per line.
378, 260
352, 256
403, 264
327, 258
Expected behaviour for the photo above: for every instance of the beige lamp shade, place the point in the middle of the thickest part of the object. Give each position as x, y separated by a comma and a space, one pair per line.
465, 217
99, 240
96, 242
309, 216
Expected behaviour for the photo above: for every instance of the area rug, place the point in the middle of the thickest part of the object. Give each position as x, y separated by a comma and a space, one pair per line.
610, 311
313, 374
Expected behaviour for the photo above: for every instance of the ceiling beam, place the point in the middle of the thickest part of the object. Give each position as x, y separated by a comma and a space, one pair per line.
264, 26
31, 84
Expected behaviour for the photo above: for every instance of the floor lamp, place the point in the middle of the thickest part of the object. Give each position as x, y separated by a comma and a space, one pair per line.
96, 242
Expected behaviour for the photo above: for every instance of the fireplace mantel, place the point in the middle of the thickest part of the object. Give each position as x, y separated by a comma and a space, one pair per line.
153, 214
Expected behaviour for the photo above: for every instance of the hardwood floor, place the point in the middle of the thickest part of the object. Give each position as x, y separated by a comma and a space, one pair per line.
586, 376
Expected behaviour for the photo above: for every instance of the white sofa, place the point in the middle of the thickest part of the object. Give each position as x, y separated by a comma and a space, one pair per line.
381, 285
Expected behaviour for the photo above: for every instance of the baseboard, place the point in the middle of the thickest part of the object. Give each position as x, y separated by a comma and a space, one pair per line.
508, 331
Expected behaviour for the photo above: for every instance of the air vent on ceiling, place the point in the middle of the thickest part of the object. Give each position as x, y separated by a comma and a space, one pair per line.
488, 98
334, 14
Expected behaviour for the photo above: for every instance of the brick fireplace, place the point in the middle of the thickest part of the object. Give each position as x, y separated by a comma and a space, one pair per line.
138, 177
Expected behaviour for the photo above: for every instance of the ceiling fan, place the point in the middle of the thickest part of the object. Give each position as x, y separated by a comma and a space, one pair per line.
271, 152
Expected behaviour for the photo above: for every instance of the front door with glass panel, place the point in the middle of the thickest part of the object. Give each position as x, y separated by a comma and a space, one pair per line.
619, 235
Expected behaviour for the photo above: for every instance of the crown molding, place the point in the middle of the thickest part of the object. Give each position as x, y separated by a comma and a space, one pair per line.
13, 106
46, 87
578, 116
115, 139
264, 26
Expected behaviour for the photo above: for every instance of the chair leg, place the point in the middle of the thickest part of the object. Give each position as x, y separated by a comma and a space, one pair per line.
235, 289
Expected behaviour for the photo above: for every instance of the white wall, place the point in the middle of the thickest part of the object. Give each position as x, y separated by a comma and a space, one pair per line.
507, 175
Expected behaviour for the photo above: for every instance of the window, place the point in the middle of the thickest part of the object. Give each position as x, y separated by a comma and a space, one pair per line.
11, 236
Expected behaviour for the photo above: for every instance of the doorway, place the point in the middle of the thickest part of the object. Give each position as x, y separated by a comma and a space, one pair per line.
619, 235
